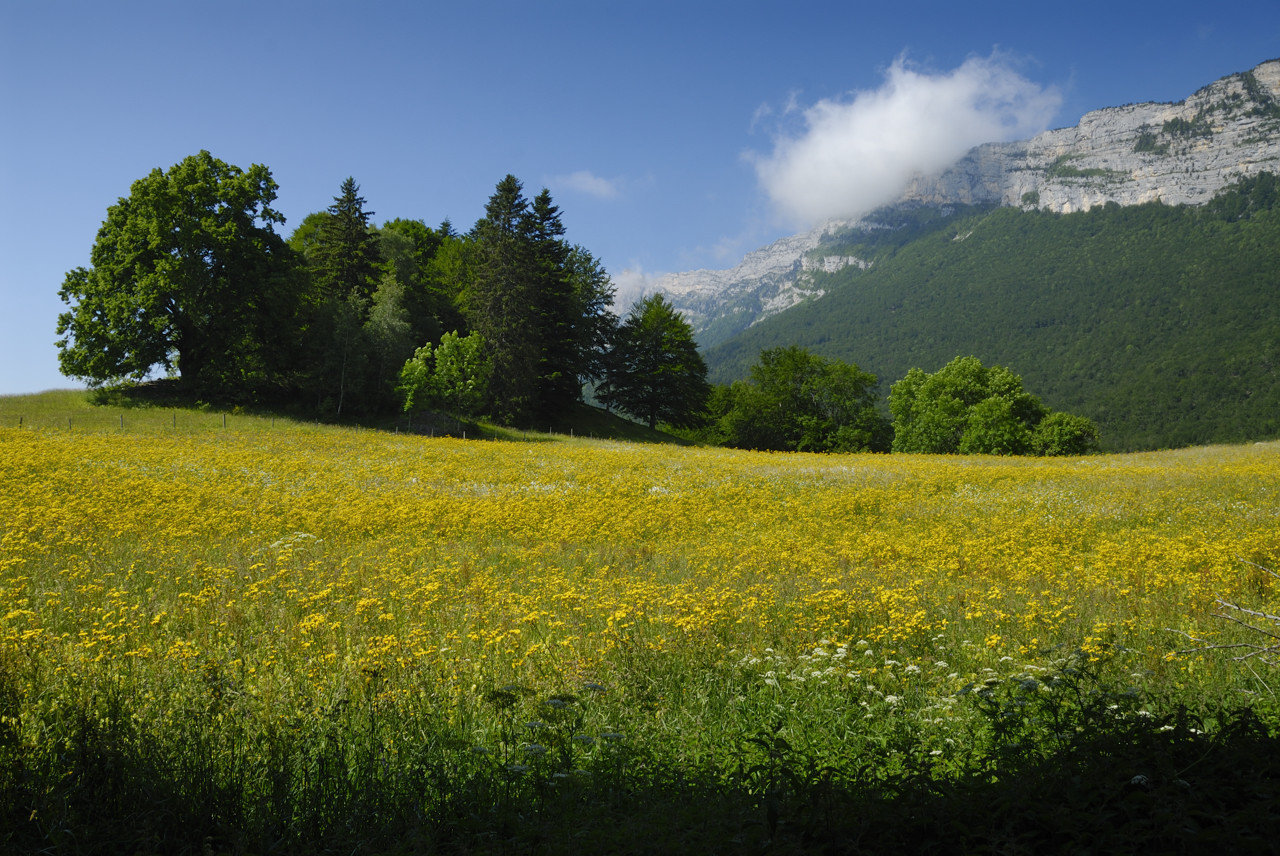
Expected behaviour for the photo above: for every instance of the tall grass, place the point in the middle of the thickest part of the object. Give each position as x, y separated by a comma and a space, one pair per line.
284, 637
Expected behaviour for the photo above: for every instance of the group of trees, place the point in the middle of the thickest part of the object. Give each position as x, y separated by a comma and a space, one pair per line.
798, 401
971, 409
190, 278
509, 320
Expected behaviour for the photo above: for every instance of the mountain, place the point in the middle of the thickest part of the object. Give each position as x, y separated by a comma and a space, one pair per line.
720, 303
1160, 322
1181, 153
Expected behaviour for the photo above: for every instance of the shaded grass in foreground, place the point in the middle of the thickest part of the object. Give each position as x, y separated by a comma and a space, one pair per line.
1059, 763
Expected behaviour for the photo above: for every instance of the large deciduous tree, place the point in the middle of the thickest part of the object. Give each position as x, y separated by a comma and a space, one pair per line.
968, 408
798, 401
188, 276
654, 370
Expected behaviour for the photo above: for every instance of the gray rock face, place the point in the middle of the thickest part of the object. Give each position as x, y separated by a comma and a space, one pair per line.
1181, 153
719, 303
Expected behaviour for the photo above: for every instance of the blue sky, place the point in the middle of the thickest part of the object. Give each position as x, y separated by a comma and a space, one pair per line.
673, 135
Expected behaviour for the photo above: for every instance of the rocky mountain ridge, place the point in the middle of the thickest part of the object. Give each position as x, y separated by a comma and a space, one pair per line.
1177, 153
1181, 153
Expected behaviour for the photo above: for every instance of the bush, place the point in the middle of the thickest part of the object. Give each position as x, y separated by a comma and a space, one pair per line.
1065, 434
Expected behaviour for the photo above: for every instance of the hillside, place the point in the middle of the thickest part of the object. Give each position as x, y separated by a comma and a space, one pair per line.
1160, 322
1177, 153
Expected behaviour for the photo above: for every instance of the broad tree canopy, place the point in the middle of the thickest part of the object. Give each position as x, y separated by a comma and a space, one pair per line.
798, 401
969, 408
187, 275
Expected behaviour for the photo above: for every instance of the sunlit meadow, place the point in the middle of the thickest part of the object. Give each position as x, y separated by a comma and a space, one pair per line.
275, 609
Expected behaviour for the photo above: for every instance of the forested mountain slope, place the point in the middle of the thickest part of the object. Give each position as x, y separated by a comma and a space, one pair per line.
1162, 323
1177, 153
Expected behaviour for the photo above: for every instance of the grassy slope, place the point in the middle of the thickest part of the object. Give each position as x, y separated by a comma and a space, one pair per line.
77, 409
293, 638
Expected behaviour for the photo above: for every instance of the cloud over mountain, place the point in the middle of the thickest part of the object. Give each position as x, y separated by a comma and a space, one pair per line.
586, 182
851, 155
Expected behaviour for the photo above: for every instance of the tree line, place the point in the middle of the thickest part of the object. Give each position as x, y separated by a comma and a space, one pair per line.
795, 400
508, 321
189, 278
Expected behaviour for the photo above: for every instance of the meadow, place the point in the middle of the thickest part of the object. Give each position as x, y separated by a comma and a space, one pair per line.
278, 637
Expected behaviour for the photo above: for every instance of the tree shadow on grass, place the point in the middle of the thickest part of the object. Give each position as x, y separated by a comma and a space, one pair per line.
1171, 783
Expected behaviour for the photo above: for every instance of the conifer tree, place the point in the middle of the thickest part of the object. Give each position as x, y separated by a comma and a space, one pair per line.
502, 301
345, 254
344, 275
654, 370
559, 372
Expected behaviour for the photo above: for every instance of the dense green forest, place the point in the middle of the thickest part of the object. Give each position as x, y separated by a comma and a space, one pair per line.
1161, 323
191, 282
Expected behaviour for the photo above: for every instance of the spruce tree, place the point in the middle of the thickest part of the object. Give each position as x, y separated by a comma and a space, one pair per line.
502, 302
344, 274
345, 253
559, 370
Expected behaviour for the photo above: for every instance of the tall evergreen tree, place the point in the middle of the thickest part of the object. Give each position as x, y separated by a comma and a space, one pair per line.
502, 301
540, 303
559, 369
345, 253
594, 323
344, 262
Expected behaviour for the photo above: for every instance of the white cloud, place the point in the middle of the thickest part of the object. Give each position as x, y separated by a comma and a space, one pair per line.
855, 154
629, 286
584, 181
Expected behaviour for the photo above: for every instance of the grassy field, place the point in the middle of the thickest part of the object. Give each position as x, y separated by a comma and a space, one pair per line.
278, 637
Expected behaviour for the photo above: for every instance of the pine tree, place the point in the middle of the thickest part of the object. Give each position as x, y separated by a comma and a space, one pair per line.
345, 253
502, 301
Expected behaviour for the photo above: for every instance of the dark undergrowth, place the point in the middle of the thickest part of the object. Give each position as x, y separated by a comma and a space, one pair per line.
1052, 764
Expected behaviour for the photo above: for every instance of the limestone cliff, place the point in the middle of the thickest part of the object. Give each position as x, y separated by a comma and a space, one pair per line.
1175, 153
